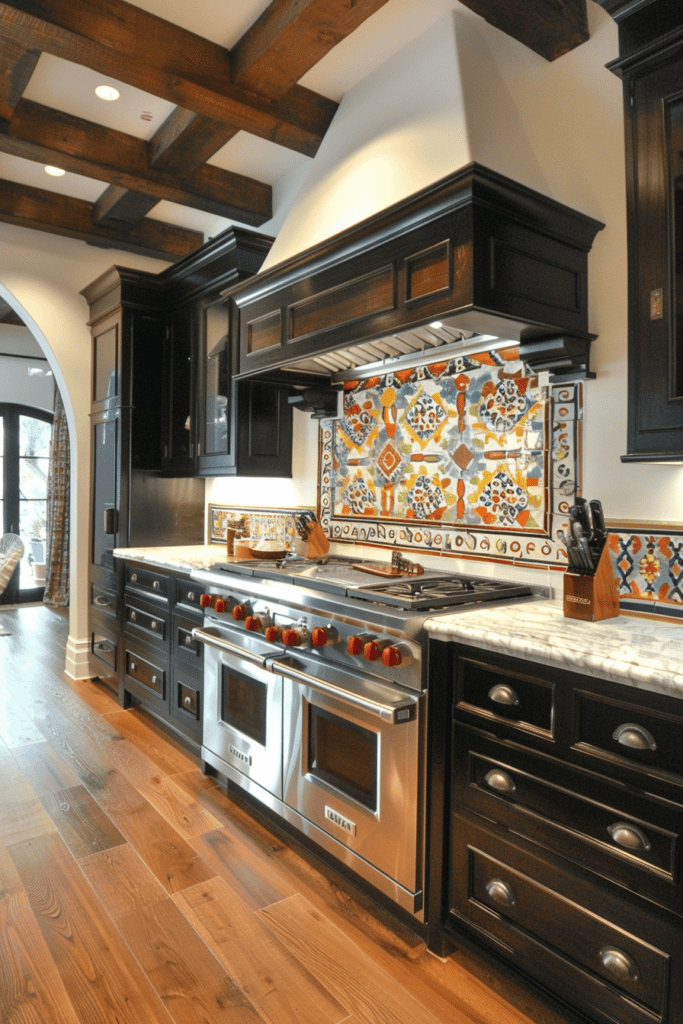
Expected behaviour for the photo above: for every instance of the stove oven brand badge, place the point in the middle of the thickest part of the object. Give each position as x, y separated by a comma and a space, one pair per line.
240, 755
340, 821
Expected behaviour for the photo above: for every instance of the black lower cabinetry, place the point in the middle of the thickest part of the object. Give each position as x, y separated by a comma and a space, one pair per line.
162, 665
556, 817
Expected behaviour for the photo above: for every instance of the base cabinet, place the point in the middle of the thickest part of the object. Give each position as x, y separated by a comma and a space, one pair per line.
162, 665
555, 832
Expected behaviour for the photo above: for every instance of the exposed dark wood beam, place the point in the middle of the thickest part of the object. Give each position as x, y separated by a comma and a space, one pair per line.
185, 141
72, 218
140, 49
290, 37
48, 136
16, 68
548, 27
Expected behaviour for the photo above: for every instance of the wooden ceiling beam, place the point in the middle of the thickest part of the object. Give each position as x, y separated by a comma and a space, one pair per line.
157, 57
550, 28
48, 136
186, 141
72, 218
16, 67
290, 37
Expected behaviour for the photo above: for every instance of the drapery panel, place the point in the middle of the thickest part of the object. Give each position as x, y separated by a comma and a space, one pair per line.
57, 511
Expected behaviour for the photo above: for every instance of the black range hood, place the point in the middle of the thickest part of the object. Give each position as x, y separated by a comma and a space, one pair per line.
475, 260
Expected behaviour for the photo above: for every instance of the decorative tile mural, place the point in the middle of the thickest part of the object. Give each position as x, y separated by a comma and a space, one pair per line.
264, 524
474, 456
647, 559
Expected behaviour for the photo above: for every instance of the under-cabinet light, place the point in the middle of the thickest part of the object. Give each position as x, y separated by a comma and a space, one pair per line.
55, 172
107, 92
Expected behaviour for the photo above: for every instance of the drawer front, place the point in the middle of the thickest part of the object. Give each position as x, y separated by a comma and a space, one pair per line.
103, 601
148, 623
105, 650
488, 694
186, 650
597, 951
635, 736
147, 674
188, 593
153, 582
187, 699
626, 836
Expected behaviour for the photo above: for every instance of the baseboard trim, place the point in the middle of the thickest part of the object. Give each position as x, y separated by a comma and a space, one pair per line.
77, 664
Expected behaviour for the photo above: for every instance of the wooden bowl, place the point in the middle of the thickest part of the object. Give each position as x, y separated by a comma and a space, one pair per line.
267, 553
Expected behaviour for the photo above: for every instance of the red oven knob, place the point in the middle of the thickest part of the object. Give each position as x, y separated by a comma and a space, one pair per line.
294, 637
372, 651
356, 644
253, 623
396, 656
239, 612
324, 636
206, 601
219, 605
273, 634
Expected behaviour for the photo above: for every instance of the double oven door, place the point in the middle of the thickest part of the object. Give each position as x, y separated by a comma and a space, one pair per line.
337, 756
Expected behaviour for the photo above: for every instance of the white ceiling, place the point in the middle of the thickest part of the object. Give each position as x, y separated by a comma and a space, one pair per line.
67, 87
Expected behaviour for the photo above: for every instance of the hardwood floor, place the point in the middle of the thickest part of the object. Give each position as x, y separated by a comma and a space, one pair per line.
133, 891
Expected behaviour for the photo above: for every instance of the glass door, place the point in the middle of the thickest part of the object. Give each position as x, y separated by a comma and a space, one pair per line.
24, 457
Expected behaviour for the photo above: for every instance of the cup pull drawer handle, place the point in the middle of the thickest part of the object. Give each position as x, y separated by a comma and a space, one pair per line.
634, 736
500, 781
629, 836
500, 892
102, 602
503, 695
618, 963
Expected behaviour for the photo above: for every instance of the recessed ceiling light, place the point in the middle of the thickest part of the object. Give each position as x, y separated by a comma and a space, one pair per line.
107, 92
56, 172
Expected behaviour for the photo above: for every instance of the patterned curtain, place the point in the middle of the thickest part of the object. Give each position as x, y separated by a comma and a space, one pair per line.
57, 513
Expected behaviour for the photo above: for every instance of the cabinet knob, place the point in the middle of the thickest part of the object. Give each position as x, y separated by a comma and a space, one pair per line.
500, 781
155, 679
629, 836
133, 667
133, 616
500, 892
154, 625
634, 736
156, 585
134, 578
191, 596
188, 641
187, 702
502, 694
618, 963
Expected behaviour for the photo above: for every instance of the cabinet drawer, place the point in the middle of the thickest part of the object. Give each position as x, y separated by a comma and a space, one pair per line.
186, 650
599, 952
188, 593
154, 582
147, 623
625, 731
619, 833
146, 673
487, 693
104, 648
104, 601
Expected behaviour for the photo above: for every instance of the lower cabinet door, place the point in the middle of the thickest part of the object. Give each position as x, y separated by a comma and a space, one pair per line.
186, 703
611, 957
104, 650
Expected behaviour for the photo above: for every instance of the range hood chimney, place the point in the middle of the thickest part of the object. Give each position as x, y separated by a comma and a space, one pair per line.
384, 241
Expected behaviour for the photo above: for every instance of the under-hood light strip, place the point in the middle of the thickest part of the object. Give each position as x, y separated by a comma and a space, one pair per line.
444, 353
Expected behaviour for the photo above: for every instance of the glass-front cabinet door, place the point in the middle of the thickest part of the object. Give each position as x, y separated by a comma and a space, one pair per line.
216, 443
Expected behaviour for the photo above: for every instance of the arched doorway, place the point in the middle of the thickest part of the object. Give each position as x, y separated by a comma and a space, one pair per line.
24, 460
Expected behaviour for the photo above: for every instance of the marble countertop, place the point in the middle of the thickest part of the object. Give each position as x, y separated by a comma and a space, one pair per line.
645, 653
639, 652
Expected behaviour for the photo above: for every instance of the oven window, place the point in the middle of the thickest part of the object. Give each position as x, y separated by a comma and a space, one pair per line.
344, 755
244, 704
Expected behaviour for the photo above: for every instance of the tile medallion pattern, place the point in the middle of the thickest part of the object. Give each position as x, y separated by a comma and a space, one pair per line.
648, 564
476, 457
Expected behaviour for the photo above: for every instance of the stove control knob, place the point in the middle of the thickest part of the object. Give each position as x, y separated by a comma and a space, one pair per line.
324, 636
239, 612
396, 656
219, 605
356, 644
372, 651
206, 601
273, 634
253, 624
295, 637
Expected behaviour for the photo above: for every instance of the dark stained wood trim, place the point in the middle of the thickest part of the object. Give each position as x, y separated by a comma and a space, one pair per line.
185, 141
550, 28
290, 37
162, 59
48, 136
16, 67
118, 204
72, 218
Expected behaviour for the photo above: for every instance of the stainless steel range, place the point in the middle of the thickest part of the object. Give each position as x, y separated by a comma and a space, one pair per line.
315, 689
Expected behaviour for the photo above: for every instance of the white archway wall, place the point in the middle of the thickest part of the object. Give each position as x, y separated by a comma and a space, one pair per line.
41, 276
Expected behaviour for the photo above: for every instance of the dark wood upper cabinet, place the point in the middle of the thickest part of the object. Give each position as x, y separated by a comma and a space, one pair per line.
651, 66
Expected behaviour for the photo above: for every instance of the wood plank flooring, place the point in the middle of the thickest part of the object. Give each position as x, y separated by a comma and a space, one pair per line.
133, 891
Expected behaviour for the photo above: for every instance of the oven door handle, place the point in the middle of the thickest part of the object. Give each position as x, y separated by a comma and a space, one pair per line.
215, 640
396, 712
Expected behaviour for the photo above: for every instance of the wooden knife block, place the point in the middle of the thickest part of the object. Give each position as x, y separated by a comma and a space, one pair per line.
317, 543
592, 598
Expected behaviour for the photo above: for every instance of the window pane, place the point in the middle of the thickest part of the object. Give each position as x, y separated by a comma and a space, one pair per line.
34, 437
